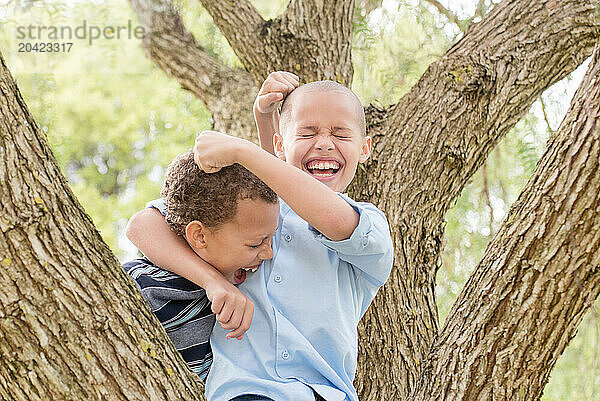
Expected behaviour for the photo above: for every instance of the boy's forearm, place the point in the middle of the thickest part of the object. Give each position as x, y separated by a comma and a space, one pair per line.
267, 125
149, 231
310, 199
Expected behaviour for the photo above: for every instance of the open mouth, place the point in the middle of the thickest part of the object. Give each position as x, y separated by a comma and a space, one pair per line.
240, 274
323, 168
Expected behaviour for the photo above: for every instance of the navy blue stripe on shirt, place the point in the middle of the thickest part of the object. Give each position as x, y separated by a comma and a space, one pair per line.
182, 308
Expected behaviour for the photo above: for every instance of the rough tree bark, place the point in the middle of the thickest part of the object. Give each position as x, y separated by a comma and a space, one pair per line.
71, 324
537, 278
426, 148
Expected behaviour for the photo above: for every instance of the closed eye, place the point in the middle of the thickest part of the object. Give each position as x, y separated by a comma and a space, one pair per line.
257, 245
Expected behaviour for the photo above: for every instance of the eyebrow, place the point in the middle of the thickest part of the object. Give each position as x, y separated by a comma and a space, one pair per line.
316, 129
261, 238
341, 129
310, 128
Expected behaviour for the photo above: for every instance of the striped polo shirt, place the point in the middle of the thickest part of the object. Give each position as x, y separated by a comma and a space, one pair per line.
182, 308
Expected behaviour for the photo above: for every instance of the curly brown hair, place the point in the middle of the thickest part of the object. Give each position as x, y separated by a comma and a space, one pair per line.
191, 194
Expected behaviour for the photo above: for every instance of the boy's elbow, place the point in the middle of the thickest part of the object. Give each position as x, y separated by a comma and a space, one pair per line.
343, 226
131, 228
135, 225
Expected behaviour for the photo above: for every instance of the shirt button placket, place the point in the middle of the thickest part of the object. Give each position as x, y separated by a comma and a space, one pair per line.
288, 237
277, 278
285, 355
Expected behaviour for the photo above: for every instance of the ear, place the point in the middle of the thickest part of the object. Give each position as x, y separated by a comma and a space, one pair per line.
195, 234
365, 150
278, 146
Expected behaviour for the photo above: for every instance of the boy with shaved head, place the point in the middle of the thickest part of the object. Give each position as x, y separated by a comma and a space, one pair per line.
331, 253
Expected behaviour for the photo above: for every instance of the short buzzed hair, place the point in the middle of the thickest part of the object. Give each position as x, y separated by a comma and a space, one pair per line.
211, 198
321, 86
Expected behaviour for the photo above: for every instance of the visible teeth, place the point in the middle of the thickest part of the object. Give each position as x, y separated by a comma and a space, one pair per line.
323, 165
250, 269
253, 270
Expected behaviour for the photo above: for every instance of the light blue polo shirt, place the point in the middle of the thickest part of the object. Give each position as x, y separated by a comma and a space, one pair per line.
308, 300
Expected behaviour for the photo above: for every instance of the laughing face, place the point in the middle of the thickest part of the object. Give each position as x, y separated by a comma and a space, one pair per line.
238, 246
324, 138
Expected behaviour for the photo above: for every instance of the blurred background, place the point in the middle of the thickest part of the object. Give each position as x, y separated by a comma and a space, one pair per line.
114, 122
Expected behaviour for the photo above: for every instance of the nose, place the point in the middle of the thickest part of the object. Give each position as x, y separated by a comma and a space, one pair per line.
324, 142
266, 250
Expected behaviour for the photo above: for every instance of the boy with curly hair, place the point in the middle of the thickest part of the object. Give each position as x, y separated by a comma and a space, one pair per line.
228, 220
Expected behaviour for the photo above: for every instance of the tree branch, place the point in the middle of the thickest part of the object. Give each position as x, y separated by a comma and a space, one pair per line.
262, 47
168, 43
241, 24
469, 99
538, 277
323, 29
548, 126
320, 29
310, 9
174, 49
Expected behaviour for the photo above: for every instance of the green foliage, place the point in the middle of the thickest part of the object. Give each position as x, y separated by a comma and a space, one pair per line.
201, 25
576, 374
114, 122
112, 132
392, 47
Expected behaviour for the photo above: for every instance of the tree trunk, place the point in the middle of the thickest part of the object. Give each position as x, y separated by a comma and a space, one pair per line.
537, 278
72, 324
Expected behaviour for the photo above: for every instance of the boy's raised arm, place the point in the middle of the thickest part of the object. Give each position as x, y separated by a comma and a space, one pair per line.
312, 200
272, 92
151, 234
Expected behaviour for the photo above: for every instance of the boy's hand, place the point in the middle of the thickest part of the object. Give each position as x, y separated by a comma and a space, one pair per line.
272, 92
233, 309
214, 150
